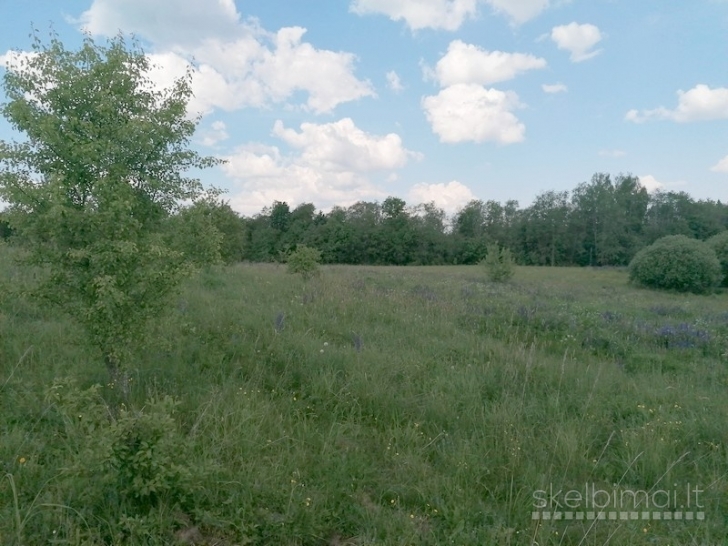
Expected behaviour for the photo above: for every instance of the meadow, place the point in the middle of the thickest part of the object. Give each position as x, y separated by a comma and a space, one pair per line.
369, 405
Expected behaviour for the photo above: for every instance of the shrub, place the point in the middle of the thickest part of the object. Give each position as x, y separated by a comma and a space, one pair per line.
499, 264
304, 261
676, 262
719, 244
138, 462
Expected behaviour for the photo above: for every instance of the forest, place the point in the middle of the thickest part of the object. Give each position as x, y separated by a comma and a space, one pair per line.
602, 222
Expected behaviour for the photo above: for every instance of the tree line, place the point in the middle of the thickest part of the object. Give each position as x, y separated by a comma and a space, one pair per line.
602, 222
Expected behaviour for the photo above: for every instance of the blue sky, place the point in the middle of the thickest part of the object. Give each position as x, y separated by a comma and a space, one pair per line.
335, 101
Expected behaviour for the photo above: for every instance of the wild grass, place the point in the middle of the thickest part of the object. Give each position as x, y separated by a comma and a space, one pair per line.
367, 406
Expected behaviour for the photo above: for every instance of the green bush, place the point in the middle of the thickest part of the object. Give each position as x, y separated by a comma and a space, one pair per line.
499, 264
676, 262
137, 461
719, 244
304, 261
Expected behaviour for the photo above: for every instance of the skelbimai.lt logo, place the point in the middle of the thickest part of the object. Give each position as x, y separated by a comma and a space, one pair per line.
682, 503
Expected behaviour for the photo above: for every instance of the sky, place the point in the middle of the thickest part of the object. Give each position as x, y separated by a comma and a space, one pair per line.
332, 102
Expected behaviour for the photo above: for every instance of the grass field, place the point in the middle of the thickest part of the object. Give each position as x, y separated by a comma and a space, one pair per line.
372, 405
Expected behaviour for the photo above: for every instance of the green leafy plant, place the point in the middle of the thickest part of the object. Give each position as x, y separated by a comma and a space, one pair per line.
136, 459
208, 232
499, 264
91, 187
719, 244
676, 262
304, 261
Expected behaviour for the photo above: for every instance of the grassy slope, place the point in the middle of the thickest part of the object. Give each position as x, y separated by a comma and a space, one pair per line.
464, 398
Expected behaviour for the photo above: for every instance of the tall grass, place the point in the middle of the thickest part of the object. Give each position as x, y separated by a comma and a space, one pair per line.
388, 406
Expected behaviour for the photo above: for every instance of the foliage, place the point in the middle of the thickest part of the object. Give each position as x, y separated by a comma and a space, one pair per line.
602, 222
606, 219
304, 261
207, 232
137, 461
676, 262
499, 264
719, 244
5, 230
91, 187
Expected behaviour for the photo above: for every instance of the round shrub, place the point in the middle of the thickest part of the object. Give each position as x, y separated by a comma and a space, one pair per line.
304, 261
719, 244
676, 262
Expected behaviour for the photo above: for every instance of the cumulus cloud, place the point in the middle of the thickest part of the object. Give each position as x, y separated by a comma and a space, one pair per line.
246, 73
331, 165
466, 63
578, 40
447, 14
166, 22
342, 146
420, 14
554, 88
466, 109
701, 103
470, 112
236, 63
393, 81
265, 175
215, 134
326, 75
721, 166
450, 197
519, 11
650, 183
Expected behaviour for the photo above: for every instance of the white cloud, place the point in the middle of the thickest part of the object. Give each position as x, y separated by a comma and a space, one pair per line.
245, 73
447, 14
210, 88
165, 22
721, 166
331, 166
650, 183
326, 75
237, 63
466, 63
342, 146
465, 109
554, 88
701, 103
578, 40
393, 81
470, 112
419, 14
15, 58
264, 176
450, 197
612, 153
215, 134
519, 11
